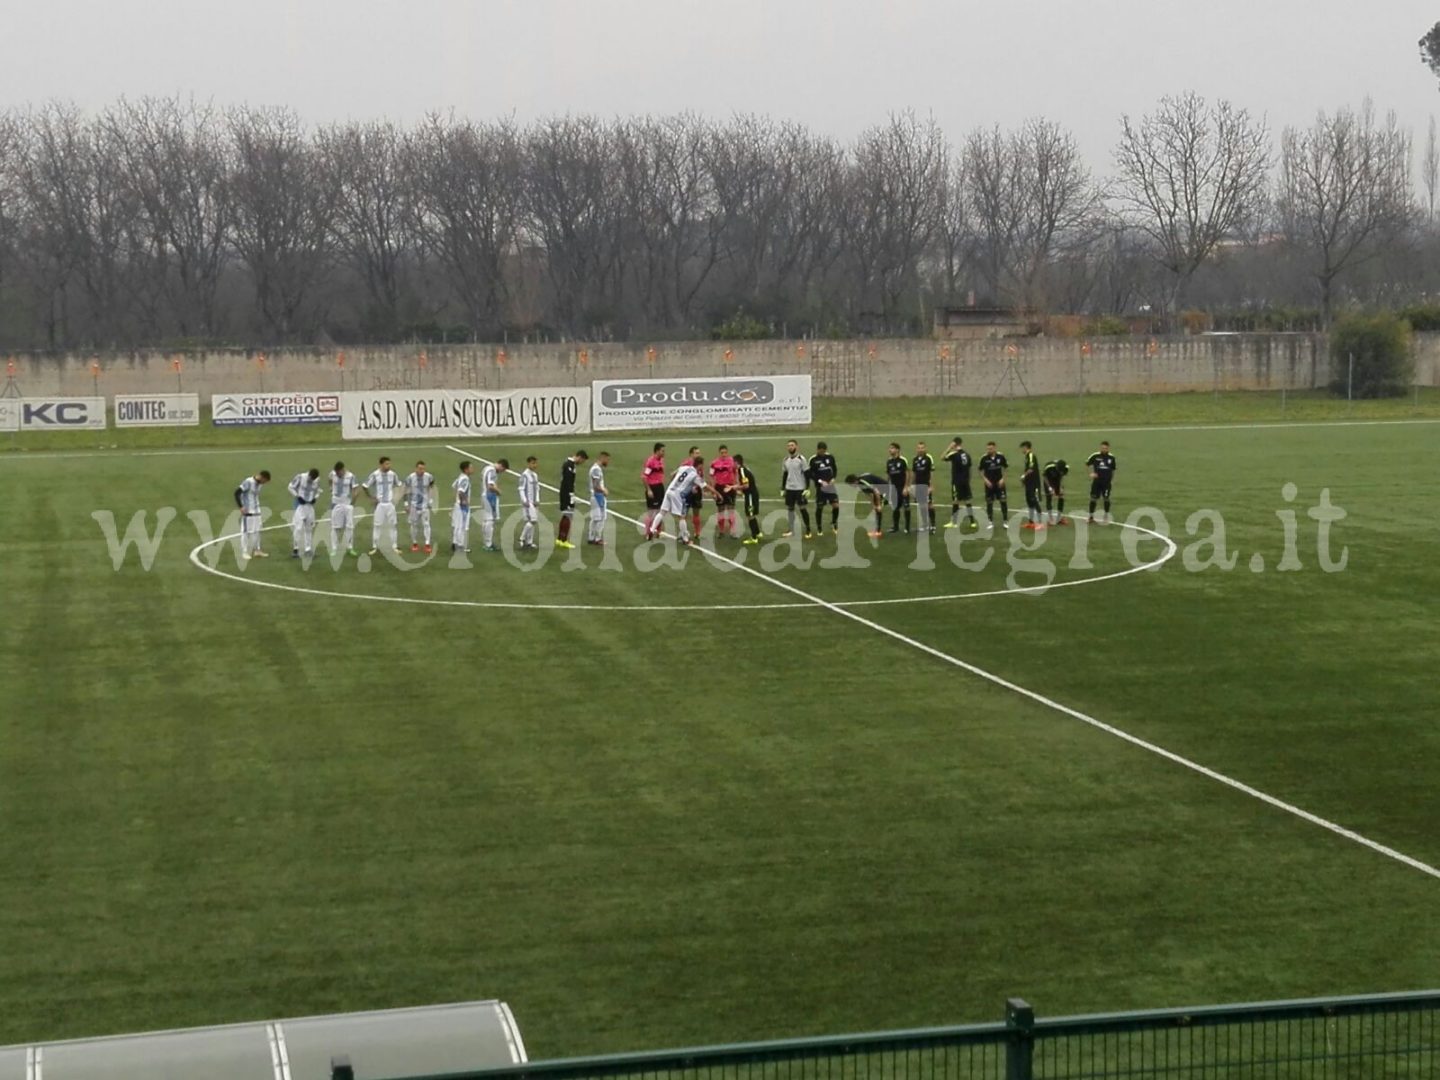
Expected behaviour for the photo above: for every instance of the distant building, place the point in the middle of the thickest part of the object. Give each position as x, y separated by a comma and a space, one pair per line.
982, 323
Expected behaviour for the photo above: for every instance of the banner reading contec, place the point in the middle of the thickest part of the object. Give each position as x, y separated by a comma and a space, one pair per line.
388, 414
657, 404
157, 410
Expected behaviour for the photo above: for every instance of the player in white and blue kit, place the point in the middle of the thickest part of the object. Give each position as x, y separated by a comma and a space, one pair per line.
490, 501
247, 498
304, 488
599, 496
686, 481
342, 509
529, 504
380, 485
460, 511
419, 498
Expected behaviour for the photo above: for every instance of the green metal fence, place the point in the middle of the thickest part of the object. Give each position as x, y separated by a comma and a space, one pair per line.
1382, 1035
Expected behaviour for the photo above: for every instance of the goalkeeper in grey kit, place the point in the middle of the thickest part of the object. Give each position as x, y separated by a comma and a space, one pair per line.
794, 482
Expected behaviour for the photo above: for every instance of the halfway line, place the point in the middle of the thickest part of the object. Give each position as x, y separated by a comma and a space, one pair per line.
1041, 699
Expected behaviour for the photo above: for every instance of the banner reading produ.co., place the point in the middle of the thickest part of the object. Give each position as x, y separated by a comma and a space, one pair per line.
438, 414
662, 404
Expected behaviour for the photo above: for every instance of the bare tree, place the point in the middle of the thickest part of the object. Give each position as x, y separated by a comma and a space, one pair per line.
52, 186
1191, 174
466, 178
1033, 199
676, 228
284, 203
10, 151
1344, 191
954, 231
571, 199
175, 158
374, 213
1430, 170
897, 182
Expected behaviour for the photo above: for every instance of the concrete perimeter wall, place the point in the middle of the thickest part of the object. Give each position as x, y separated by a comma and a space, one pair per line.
888, 368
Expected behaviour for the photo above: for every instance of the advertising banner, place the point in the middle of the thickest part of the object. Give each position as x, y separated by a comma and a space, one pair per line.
663, 404
52, 414
157, 410
294, 407
452, 414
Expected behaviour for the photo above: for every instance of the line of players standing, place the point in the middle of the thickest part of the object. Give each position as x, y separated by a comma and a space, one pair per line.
906, 483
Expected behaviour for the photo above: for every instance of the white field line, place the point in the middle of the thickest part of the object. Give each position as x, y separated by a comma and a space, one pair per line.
1170, 551
9, 456
1074, 714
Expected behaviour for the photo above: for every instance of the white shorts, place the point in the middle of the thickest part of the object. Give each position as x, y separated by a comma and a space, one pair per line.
674, 504
419, 513
304, 514
384, 514
342, 515
532, 513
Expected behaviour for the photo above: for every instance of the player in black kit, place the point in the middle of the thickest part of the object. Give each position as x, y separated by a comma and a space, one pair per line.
567, 496
992, 471
897, 471
1102, 472
1030, 477
922, 468
872, 485
750, 491
1054, 474
959, 459
823, 471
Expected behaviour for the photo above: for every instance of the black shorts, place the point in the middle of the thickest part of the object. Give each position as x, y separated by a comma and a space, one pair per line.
567, 501
795, 498
654, 496
960, 492
826, 498
696, 499
724, 495
1055, 485
752, 504
1032, 484
995, 490
1100, 488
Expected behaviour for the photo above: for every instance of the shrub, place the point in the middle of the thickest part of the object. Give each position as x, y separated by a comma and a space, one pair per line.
740, 327
1107, 326
1423, 318
1380, 345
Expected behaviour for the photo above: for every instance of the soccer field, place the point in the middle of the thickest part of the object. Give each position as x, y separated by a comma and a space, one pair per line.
653, 798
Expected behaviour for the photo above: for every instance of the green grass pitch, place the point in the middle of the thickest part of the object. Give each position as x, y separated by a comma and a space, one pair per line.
754, 817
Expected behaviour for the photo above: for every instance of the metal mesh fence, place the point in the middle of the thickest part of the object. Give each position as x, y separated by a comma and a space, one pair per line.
1378, 1036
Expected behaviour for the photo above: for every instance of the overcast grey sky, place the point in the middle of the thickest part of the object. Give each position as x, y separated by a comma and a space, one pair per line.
837, 65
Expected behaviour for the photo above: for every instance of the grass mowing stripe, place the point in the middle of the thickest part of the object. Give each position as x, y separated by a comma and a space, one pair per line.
1041, 699
260, 448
